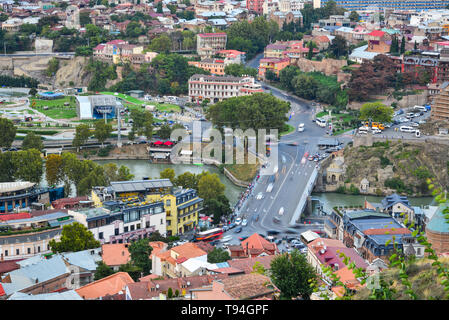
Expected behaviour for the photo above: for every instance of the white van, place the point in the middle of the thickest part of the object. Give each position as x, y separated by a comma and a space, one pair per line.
320, 122
363, 129
301, 127
407, 129
420, 108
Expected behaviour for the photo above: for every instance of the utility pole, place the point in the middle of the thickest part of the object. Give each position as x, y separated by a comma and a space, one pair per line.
118, 110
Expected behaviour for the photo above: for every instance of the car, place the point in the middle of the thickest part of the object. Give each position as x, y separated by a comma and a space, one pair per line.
272, 232
310, 158
276, 220
225, 228
244, 222
414, 124
226, 239
281, 211
231, 225
214, 242
303, 250
243, 238
259, 196
238, 229
301, 127
293, 144
422, 121
291, 230
277, 241
238, 221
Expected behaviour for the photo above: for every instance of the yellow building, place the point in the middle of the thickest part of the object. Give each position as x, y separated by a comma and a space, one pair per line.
181, 205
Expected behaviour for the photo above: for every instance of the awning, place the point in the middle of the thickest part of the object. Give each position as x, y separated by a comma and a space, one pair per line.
158, 142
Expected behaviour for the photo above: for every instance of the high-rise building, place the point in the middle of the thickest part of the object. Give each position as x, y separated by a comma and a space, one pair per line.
385, 4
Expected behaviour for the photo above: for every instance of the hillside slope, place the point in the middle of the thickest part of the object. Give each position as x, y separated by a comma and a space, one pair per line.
398, 166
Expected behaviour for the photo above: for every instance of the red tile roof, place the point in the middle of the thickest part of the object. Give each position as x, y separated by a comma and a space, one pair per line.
115, 254
247, 264
2, 291
14, 216
110, 285
256, 241
8, 266
376, 33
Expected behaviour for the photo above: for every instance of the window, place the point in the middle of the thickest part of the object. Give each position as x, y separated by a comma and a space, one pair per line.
138, 226
38, 249
6, 253
147, 224
168, 203
29, 250
17, 252
162, 221
116, 231
132, 228
125, 229
100, 235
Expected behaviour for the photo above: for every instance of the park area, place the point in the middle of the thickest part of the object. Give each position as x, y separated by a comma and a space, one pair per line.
61, 108
131, 102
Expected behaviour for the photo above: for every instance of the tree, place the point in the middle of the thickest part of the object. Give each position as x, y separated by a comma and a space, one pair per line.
28, 164
102, 271
124, 174
270, 75
187, 180
140, 251
85, 18
218, 207
164, 131
74, 237
32, 141
286, 76
376, 112
258, 111
354, 16
292, 274
32, 92
161, 44
8, 130
82, 133
218, 255
170, 290
94, 177
8, 169
53, 66
102, 131
305, 86
54, 172
311, 45
159, 7
168, 173
339, 46
142, 122
210, 186
402, 45
238, 70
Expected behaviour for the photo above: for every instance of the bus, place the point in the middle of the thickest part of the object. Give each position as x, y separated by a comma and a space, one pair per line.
406, 129
209, 235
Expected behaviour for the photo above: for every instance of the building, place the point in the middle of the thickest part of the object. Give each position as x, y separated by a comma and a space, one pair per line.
255, 6
253, 246
275, 65
372, 235
182, 206
326, 252
122, 221
291, 5
218, 88
154, 289
21, 194
115, 255
116, 51
437, 231
286, 17
51, 273
440, 108
232, 56
114, 284
63, 295
208, 44
24, 235
97, 107
253, 286
214, 66
169, 263
385, 4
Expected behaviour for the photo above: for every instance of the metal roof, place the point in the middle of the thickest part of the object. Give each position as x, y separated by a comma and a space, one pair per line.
142, 185
438, 222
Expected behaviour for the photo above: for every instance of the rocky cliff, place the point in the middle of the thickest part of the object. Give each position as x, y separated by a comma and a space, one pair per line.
397, 167
73, 71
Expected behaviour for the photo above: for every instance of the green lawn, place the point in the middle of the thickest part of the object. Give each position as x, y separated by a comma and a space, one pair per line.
134, 102
290, 130
322, 114
56, 108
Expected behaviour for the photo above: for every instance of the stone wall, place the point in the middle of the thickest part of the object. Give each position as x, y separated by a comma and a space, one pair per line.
330, 67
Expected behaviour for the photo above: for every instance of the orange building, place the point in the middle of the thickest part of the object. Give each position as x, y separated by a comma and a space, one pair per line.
214, 66
273, 64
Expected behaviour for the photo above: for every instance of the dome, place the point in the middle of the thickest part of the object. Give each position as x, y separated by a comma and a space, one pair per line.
438, 223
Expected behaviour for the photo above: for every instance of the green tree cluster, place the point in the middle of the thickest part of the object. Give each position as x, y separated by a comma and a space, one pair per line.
238, 70
218, 255
74, 237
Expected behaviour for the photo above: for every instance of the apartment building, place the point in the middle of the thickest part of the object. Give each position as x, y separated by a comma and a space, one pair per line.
255, 6
214, 66
273, 64
217, 88
209, 43
24, 235
116, 51
291, 5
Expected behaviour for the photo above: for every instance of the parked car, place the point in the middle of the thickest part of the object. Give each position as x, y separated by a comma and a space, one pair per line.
238, 229
244, 222
243, 238
232, 225
272, 232
238, 221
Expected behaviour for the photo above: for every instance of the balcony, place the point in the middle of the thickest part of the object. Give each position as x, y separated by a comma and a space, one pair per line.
133, 235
